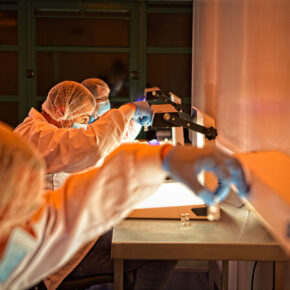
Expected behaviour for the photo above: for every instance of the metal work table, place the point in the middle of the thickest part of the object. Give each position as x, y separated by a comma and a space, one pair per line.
237, 236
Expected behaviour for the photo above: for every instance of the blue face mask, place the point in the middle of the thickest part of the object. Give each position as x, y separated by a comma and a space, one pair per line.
18, 246
92, 119
79, 125
103, 107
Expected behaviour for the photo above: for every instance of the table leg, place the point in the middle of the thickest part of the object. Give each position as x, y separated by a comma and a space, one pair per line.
225, 272
279, 275
211, 275
118, 274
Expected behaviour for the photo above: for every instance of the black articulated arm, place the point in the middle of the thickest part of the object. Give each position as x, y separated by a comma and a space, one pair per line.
171, 115
179, 119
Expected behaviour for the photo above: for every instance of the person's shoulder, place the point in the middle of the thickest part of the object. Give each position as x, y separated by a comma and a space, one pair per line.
33, 123
34, 114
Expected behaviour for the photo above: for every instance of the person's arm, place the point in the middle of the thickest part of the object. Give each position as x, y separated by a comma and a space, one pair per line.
88, 205
95, 200
72, 150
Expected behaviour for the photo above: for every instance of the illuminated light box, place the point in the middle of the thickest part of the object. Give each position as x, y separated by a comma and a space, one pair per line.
170, 201
173, 199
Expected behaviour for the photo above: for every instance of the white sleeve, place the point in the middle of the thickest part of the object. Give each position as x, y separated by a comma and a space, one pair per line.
88, 205
132, 132
97, 199
72, 150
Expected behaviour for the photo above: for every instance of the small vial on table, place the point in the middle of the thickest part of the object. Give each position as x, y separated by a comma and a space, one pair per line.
182, 219
187, 220
213, 212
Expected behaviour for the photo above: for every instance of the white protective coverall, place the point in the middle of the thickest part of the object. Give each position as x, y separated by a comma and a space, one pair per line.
86, 206
68, 151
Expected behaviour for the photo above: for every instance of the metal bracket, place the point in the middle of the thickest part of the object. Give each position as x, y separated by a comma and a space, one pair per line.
157, 97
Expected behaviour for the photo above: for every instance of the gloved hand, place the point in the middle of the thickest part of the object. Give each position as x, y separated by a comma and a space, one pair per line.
184, 163
143, 114
140, 99
153, 142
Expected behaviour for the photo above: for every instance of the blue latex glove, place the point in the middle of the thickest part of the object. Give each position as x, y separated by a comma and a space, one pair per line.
237, 177
184, 163
143, 114
154, 142
193, 112
140, 99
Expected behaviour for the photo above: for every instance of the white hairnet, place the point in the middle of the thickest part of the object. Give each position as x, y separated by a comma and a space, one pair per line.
21, 180
92, 85
68, 100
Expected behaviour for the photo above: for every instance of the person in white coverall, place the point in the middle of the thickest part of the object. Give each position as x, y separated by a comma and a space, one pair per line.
100, 90
41, 231
68, 144
68, 150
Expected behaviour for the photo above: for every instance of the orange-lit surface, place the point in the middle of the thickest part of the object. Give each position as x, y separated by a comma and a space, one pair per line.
241, 74
268, 177
272, 168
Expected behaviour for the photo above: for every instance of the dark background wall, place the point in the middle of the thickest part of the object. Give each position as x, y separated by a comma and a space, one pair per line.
130, 44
